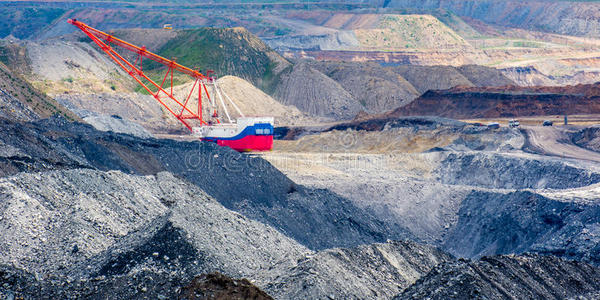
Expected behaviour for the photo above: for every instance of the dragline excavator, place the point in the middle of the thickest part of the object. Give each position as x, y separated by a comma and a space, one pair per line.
243, 134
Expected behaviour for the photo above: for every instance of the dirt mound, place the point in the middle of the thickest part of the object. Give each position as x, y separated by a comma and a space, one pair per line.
510, 101
503, 277
220, 287
253, 102
316, 94
376, 88
62, 66
227, 51
409, 32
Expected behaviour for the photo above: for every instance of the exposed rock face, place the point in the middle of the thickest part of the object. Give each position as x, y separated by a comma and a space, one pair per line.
532, 76
331, 41
315, 93
588, 138
516, 222
484, 76
21, 101
492, 171
506, 277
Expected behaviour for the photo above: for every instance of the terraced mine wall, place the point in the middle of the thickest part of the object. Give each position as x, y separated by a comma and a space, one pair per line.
563, 17
467, 103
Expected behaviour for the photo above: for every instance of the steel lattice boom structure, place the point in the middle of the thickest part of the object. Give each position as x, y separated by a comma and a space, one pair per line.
243, 134
182, 109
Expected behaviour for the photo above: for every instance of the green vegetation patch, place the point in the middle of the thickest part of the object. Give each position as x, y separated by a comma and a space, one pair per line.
232, 51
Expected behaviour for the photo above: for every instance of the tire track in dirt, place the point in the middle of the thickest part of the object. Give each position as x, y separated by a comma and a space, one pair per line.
555, 141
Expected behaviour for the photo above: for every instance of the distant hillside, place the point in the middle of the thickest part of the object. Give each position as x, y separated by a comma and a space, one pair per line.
19, 100
409, 32
24, 22
368, 31
580, 18
231, 51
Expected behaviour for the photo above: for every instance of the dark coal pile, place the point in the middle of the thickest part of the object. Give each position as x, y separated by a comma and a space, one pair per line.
318, 219
17, 284
507, 277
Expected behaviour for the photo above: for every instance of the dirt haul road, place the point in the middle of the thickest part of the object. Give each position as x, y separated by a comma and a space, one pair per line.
555, 141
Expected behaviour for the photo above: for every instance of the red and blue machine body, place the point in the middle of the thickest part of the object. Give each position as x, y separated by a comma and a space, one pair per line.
247, 134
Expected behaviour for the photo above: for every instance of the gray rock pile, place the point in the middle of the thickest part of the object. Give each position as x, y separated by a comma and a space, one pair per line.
508, 277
